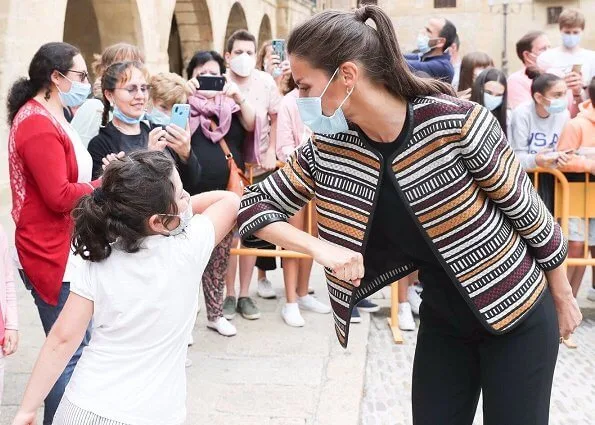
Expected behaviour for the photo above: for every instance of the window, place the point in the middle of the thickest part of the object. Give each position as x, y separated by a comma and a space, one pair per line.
444, 3
553, 14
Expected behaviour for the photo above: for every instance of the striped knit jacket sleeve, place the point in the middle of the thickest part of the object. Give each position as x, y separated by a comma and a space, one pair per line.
495, 169
277, 198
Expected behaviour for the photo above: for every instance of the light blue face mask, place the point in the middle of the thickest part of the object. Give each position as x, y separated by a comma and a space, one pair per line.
570, 41
77, 94
491, 102
310, 109
158, 117
125, 118
557, 105
423, 44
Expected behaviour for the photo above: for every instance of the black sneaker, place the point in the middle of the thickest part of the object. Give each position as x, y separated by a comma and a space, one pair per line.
355, 316
368, 306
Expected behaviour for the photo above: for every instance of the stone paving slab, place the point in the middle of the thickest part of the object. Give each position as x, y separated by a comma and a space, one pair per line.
269, 374
387, 392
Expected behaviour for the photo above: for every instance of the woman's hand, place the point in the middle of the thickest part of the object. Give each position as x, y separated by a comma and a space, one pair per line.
569, 314
345, 264
157, 141
25, 418
11, 342
272, 63
464, 95
112, 157
550, 159
193, 85
178, 139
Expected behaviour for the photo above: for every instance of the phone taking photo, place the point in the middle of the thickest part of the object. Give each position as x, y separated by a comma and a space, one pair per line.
577, 68
211, 82
279, 48
179, 115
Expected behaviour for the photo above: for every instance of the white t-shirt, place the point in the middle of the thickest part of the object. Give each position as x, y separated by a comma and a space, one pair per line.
531, 134
559, 61
84, 163
87, 120
145, 305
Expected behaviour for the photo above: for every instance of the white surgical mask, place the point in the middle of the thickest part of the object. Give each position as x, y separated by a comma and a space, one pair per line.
243, 65
185, 217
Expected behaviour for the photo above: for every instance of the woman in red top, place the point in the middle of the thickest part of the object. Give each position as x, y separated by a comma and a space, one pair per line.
49, 171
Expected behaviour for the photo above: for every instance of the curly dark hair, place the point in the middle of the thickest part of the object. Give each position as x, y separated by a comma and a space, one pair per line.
132, 190
50, 57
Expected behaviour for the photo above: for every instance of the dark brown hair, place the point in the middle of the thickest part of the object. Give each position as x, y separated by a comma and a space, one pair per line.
468, 64
332, 37
50, 57
478, 91
542, 81
117, 73
525, 44
239, 35
132, 190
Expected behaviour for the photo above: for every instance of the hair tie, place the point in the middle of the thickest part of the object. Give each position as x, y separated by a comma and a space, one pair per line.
362, 14
99, 196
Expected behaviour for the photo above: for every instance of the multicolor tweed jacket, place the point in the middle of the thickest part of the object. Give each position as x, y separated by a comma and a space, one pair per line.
461, 183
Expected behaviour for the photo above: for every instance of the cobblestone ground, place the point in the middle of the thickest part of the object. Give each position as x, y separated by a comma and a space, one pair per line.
387, 393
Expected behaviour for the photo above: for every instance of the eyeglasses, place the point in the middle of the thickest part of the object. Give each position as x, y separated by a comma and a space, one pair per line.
83, 75
132, 90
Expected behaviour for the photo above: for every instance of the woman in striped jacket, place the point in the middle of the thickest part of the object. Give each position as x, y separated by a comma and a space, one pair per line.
421, 180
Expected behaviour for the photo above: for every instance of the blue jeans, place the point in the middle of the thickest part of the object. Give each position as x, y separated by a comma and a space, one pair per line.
48, 315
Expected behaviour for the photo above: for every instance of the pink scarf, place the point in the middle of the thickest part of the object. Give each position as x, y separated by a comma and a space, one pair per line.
202, 110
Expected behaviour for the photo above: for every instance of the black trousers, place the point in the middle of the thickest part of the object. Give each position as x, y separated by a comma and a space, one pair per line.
513, 371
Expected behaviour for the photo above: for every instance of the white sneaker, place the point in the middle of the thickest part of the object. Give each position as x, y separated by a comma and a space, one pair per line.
406, 322
222, 326
310, 303
591, 294
292, 316
265, 289
414, 299
188, 362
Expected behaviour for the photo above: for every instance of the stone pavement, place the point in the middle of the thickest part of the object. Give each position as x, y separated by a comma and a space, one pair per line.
271, 374
268, 374
387, 394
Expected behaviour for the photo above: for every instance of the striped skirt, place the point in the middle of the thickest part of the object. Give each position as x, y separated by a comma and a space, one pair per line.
70, 414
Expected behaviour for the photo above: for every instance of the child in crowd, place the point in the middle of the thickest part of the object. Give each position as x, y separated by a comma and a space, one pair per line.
9, 336
145, 250
579, 135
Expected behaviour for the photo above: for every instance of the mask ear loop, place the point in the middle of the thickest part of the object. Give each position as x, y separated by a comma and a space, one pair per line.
329, 83
346, 97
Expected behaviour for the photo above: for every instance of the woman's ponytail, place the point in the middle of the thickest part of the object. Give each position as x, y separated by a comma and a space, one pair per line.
22, 91
90, 238
332, 38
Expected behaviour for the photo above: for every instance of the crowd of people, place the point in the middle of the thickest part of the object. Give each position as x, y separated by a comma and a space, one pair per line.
114, 203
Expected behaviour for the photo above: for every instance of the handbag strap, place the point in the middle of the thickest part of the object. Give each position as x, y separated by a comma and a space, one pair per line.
222, 143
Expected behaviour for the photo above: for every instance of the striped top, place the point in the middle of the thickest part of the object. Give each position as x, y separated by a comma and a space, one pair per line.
464, 188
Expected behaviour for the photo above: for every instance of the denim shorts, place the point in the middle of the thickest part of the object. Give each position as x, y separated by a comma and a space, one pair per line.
576, 230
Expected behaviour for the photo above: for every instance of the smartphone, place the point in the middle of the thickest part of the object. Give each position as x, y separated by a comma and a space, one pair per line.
577, 68
179, 115
279, 48
211, 82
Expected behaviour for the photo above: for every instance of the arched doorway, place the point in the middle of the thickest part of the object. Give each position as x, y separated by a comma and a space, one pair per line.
93, 25
81, 29
236, 21
174, 48
264, 33
194, 30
